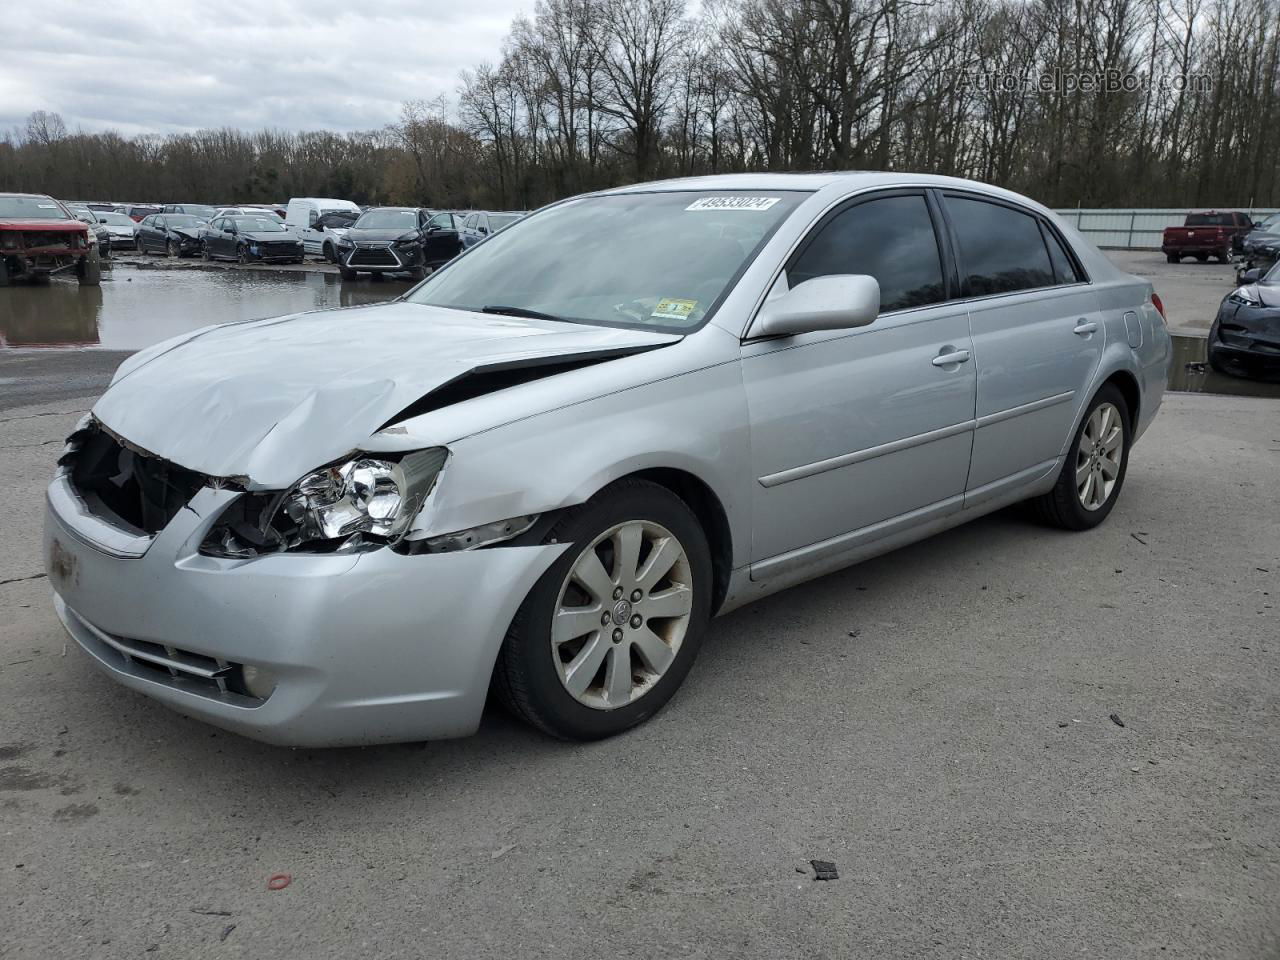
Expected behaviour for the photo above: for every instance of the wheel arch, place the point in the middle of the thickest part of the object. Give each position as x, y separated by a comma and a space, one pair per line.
1127, 384
711, 515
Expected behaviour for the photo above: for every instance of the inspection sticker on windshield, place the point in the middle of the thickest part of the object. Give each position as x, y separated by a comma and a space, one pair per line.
669, 309
733, 203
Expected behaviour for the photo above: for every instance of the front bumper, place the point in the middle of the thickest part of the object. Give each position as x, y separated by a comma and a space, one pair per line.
1244, 347
368, 648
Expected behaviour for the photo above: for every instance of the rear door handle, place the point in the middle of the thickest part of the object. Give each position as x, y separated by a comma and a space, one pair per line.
953, 356
1084, 327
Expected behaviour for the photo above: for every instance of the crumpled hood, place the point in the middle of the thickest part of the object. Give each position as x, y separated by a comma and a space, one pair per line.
272, 399
1267, 293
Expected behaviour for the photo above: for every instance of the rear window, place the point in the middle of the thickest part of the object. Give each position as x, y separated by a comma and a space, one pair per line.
1210, 220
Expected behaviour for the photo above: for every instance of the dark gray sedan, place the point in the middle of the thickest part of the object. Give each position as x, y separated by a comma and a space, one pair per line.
249, 239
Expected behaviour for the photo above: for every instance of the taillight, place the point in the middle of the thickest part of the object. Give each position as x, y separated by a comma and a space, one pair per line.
1159, 305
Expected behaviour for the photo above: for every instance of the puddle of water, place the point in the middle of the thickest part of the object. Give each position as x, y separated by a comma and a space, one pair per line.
136, 308
1191, 372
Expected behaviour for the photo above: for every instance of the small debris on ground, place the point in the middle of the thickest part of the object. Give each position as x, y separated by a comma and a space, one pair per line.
1062, 723
205, 911
278, 881
824, 870
1115, 718
855, 633
502, 851
1134, 769
226, 932
1139, 536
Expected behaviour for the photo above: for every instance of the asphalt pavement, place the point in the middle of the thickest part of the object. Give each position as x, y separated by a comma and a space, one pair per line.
938, 723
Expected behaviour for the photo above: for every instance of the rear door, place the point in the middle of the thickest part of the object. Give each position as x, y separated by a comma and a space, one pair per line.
1037, 338
858, 433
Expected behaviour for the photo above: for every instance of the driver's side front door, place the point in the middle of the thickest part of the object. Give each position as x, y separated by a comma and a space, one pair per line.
858, 434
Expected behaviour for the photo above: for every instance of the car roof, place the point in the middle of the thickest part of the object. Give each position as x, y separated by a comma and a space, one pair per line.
40, 196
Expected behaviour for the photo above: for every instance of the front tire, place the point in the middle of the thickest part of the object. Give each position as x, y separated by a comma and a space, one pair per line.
89, 272
329, 255
242, 254
172, 249
1095, 467
346, 272
640, 561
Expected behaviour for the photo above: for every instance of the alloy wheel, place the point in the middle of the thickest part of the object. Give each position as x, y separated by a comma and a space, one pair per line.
622, 614
1099, 456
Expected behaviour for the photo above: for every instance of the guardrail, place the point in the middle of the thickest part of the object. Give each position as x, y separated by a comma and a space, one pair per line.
1138, 228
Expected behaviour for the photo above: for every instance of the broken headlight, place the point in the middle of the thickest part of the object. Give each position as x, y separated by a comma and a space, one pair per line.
357, 504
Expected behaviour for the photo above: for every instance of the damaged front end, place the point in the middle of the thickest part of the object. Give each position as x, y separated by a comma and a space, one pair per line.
359, 503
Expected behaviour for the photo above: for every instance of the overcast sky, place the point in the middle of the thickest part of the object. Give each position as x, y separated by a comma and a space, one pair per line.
142, 66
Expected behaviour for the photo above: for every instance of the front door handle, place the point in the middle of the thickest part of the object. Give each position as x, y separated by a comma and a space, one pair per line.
1084, 327
950, 357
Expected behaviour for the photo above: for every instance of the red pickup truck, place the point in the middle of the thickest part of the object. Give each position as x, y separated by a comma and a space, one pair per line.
39, 237
1205, 235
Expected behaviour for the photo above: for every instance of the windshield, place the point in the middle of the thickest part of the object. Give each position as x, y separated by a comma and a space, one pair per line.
650, 260
387, 219
199, 210
115, 219
339, 220
182, 220
499, 220
31, 208
258, 225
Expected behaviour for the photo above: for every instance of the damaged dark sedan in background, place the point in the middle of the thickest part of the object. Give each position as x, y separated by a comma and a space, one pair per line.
250, 239
173, 234
1245, 337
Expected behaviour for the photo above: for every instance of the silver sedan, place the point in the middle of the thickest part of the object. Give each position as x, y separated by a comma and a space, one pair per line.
545, 468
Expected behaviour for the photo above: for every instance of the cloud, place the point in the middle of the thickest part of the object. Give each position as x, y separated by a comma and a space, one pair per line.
142, 66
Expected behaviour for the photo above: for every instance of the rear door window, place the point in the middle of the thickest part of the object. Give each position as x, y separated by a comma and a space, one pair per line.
889, 238
1001, 249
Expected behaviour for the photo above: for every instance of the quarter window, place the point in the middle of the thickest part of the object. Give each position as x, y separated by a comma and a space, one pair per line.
891, 239
1064, 270
1001, 250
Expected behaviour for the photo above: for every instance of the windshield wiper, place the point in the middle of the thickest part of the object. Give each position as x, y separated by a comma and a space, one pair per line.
521, 312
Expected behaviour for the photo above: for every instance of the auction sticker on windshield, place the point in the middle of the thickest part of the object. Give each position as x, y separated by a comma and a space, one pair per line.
733, 203
669, 309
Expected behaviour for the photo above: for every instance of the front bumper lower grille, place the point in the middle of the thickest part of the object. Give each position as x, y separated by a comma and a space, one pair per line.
195, 673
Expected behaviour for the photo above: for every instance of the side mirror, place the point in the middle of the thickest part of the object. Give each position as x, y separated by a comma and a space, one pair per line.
1248, 277
836, 302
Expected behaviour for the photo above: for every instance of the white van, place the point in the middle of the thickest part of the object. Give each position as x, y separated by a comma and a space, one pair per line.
302, 216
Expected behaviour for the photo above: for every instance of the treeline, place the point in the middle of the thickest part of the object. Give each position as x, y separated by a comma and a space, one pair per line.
1090, 102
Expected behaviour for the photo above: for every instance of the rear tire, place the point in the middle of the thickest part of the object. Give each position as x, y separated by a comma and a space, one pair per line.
542, 659
4, 272
1224, 255
1065, 505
